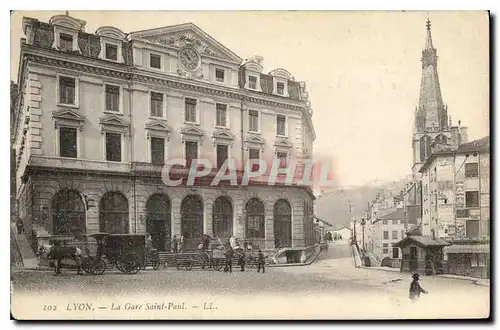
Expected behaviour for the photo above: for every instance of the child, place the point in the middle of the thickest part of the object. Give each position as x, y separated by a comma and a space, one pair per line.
261, 262
415, 288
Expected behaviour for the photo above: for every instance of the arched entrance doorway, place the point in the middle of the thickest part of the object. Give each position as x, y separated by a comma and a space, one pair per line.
68, 214
192, 221
283, 223
158, 221
113, 215
255, 220
222, 218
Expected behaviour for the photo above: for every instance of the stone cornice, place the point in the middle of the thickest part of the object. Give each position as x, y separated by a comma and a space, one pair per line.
93, 66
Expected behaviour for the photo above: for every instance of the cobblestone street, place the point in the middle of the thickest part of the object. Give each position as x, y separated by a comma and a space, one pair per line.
326, 284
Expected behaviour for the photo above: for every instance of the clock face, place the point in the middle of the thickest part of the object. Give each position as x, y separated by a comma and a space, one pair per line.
189, 59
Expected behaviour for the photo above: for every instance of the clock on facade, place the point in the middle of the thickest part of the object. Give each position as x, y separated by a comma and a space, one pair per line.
189, 59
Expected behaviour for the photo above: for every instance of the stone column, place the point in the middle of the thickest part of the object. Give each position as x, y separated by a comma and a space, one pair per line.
269, 222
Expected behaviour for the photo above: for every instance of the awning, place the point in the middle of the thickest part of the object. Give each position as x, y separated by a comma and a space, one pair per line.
467, 248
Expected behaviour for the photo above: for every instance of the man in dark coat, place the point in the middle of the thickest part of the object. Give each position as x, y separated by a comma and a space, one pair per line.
415, 288
241, 260
229, 255
261, 262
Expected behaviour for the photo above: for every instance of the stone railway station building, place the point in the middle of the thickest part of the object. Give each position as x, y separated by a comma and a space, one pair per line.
99, 114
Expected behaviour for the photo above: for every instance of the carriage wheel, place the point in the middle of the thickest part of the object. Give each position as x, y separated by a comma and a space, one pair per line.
189, 264
87, 265
99, 267
156, 264
118, 265
130, 263
217, 264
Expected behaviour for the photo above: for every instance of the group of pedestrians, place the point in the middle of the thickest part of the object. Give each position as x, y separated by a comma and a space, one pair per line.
233, 247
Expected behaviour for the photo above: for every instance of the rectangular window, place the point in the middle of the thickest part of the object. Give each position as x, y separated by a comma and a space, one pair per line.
219, 75
395, 253
385, 251
157, 151
67, 142
384, 222
221, 155
253, 120
190, 110
113, 147
394, 234
282, 159
280, 88
254, 154
281, 125
394, 222
221, 114
471, 198
67, 90
472, 229
471, 170
156, 104
252, 82
65, 42
112, 98
191, 152
155, 61
386, 234
111, 52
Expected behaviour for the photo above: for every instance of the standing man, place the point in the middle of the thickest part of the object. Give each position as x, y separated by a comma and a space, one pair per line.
20, 226
261, 263
229, 256
174, 244
241, 260
415, 288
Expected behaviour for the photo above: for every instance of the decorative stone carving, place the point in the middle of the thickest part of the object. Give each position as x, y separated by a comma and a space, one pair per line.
68, 117
188, 39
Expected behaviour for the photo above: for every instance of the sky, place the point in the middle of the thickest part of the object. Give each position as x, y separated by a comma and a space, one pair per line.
362, 71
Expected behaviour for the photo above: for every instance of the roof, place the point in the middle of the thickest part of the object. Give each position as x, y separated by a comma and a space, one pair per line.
396, 215
481, 145
325, 222
422, 241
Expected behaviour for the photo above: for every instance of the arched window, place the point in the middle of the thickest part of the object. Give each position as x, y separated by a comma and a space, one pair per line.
158, 223
441, 139
255, 221
222, 218
422, 149
68, 211
283, 223
428, 143
192, 220
113, 216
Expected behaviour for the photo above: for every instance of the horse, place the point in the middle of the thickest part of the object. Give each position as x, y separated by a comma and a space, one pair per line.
58, 253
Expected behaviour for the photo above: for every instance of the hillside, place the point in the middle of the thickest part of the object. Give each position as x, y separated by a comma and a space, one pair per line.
333, 206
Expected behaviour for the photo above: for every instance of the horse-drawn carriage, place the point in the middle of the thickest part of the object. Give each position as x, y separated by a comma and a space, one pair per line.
126, 251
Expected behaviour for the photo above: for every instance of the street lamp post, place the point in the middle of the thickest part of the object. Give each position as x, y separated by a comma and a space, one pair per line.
363, 223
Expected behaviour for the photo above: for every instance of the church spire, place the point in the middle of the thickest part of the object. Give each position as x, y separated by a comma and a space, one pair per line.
431, 112
428, 39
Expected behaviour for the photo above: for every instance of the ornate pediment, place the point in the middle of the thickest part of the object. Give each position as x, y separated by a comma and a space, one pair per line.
256, 139
112, 122
223, 134
283, 143
158, 128
68, 117
192, 133
188, 34
158, 125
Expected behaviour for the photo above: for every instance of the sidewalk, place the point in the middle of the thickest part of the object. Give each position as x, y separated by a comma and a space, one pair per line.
474, 280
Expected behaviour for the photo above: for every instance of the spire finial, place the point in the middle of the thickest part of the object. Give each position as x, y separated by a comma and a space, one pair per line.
428, 24
428, 39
